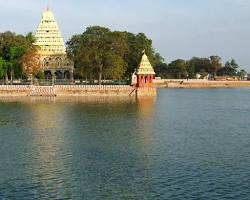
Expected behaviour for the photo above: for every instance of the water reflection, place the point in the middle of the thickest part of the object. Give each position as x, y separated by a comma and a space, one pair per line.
48, 141
73, 99
146, 111
174, 148
146, 106
80, 145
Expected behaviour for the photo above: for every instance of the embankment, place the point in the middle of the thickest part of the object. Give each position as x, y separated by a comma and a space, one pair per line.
74, 90
200, 84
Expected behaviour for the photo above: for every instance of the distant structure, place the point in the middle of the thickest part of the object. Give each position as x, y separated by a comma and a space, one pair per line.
56, 64
145, 75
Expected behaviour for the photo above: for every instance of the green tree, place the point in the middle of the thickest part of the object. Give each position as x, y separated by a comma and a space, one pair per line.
200, 65
177, 69
3, 67
241, 74
12, 48
215, 64
99, 51
230, 69
137, 44
234, 65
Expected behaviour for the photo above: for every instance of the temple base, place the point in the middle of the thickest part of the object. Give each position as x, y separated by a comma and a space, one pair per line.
146, 91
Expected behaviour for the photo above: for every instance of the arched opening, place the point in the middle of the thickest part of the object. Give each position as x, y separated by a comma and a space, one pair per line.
58, 61
48, 75
59, 75
46, 62
67, 75
150, 79
142, 79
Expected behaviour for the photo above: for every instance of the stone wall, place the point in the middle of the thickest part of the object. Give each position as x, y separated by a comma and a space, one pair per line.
67, 90
94, 90
14, 90
201, 84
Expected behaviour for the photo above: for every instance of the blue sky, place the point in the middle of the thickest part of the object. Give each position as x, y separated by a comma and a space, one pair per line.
178, 28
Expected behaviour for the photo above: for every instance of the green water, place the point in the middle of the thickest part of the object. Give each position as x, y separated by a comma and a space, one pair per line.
185, 144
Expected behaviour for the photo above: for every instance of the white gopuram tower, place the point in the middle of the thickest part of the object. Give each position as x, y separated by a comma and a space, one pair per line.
48, 38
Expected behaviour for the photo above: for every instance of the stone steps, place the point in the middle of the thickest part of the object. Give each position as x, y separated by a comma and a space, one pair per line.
41, 91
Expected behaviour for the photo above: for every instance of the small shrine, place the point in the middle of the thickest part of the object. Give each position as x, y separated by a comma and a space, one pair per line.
145, 73
145, 76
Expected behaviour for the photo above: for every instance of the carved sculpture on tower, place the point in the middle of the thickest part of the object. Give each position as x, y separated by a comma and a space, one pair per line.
56, 64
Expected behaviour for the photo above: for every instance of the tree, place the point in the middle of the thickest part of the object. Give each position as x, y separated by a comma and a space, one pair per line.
242, 73
215, 63
230, 69
12, 48
177, 69
3, 67
31, 63
99, 51
136, 44
161, 70
16, 54
234, 65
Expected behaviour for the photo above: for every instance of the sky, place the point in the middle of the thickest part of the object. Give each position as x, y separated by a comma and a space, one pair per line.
179, 28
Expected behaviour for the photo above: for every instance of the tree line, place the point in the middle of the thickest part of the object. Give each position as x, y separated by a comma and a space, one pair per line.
101, 54
203, 67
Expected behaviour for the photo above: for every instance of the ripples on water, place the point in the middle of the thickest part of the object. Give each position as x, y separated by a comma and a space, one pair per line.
186, 144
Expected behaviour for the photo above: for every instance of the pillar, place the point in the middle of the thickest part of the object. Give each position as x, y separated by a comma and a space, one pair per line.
71, 76
53, 77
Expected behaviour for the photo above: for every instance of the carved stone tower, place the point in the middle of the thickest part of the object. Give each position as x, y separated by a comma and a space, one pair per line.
52, 50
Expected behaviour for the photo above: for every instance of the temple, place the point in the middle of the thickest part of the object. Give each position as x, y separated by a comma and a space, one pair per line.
56, 64
145, 75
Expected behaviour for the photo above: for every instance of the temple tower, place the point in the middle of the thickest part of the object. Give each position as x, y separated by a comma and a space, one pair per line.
52, 50
145, 76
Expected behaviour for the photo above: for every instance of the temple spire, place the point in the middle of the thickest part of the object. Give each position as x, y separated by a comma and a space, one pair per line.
145, 66
48, 35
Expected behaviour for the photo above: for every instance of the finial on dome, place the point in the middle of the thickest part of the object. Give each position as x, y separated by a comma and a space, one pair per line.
144, 51
48, 6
